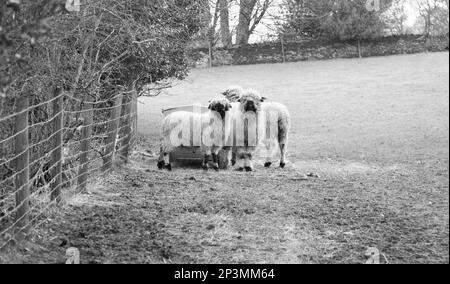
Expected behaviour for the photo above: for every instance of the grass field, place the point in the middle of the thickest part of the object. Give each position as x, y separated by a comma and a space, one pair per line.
382, 110
375, 130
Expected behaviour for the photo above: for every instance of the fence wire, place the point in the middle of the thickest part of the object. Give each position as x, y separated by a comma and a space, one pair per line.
61, 152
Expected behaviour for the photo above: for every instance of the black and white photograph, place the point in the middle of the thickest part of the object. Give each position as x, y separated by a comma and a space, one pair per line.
243, 134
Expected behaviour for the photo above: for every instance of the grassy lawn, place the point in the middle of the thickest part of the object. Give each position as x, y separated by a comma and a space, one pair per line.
375, 131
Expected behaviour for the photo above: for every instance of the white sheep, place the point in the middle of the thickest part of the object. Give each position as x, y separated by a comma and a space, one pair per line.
277, 122
271, 124
233, 93
208, 131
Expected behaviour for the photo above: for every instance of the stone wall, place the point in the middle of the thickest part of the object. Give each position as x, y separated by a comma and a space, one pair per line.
317, 50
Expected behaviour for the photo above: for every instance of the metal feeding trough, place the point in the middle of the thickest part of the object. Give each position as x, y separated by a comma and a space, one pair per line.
186, 156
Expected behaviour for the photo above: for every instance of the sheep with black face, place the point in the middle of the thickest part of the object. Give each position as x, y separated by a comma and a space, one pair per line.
212, 127
233, 93
272, 125
248, 116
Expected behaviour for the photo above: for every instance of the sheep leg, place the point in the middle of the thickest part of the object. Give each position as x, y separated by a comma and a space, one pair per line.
227, 151
167, 163
161, 162
268, 154
233, 156
164, 161
164, 157
283, 155
248, 163
206, 159
215, 158
283, 141
240, 154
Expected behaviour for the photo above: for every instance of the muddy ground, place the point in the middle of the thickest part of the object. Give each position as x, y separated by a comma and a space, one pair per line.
142, 215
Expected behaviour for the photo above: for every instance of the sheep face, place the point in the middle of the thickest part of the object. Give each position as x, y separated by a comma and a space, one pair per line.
251, 101
220, 105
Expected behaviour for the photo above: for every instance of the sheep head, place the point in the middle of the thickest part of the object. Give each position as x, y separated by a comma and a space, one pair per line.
250, 101
233, 93
220, 105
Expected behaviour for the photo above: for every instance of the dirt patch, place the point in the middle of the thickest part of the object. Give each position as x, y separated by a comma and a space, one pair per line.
142, 215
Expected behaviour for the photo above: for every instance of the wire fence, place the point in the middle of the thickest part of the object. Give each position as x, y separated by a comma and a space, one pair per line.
55, 146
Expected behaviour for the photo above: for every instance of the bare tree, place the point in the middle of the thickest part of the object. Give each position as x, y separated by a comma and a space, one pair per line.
214, 20
243, 28
250, 15
396, 17
225, 32
434, 16
441, 17
305, 18
427, 9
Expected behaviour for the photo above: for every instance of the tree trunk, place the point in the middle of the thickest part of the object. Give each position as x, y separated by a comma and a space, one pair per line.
283, 52
210, 54
245, 17
212, 28
359, 48
225, 33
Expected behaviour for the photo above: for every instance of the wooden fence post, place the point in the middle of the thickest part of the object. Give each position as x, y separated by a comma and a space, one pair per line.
22, 165
57, 145
135, 117
359, 49
86, 133
113, 129
127, 101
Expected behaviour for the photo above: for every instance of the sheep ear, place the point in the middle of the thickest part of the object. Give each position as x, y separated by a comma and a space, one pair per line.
210, 105
263, 99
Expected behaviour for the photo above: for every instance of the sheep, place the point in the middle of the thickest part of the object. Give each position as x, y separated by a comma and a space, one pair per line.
233, 93
277, 120
271, 124
208, 129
